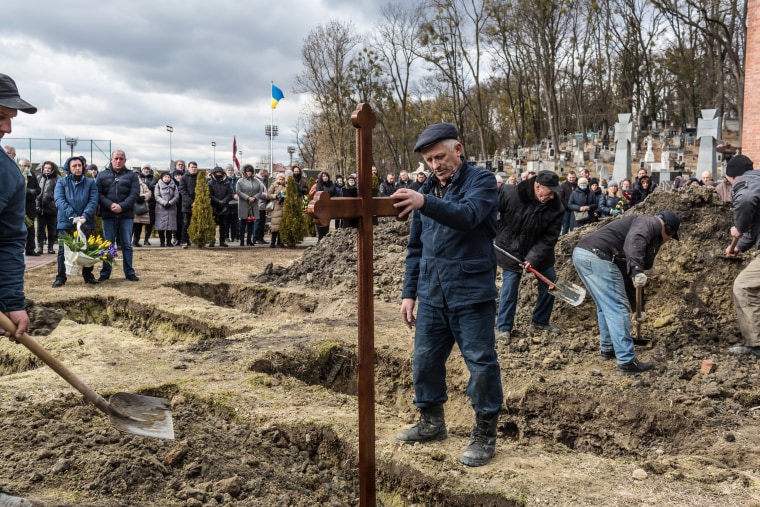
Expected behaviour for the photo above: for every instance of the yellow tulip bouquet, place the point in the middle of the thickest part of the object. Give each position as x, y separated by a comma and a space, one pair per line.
81, 250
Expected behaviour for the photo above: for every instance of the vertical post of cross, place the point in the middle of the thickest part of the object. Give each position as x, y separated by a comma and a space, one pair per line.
363, 118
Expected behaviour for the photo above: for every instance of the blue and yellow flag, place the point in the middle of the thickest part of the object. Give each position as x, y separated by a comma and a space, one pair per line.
277, 96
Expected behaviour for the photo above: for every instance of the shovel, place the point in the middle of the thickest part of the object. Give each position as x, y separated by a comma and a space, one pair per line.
142, 415
565, 291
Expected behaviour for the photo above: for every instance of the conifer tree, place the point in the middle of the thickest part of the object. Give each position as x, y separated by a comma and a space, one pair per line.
292, 224
202, 229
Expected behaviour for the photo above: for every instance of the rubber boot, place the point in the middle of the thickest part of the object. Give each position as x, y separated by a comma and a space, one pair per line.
482, 441
431, 426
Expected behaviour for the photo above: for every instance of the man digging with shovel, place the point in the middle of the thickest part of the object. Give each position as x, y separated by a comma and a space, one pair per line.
636, 240
532, 226
745, 182
12, 232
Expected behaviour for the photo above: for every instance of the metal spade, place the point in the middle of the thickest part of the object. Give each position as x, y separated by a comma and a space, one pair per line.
142, 415
565, 291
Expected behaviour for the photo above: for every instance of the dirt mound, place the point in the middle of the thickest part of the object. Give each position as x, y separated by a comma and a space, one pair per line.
332, 263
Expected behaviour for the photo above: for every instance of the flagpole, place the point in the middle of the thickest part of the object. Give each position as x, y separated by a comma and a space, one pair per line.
271, 136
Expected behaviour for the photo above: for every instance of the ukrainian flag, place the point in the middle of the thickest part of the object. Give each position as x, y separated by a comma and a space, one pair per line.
277, 96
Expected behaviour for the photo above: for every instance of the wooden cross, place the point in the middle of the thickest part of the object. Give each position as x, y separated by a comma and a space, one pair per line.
364, 207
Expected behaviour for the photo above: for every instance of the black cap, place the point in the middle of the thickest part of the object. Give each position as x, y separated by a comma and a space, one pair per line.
738, 165
217, 169
10, 98
672, 222
549, 179
435, 133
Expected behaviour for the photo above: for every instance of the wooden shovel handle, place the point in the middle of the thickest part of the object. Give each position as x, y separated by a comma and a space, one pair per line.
732, 246
57, 366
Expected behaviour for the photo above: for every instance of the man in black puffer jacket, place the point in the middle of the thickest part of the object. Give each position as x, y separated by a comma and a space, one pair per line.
531, 221
118, 190
220, 192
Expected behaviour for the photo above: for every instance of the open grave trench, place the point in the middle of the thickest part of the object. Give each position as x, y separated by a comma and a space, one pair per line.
221, 456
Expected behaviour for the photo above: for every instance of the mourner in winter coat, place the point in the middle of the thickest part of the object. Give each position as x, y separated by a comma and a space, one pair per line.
277, 194
582, 200
47, 212
220, 193
76, 197
167, 197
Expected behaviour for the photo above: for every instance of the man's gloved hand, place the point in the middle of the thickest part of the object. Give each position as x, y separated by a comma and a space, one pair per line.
639, 280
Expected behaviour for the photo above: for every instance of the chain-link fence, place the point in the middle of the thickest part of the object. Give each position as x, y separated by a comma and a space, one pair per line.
96, 151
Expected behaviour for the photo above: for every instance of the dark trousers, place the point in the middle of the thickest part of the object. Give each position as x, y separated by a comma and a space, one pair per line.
233, 230
223, 223
260, 225
30, 239
46, 228
186, 216
137, 233
178, 232
246, 231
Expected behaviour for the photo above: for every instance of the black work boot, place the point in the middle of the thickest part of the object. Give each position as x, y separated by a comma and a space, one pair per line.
482, 441
431, 426
633, 367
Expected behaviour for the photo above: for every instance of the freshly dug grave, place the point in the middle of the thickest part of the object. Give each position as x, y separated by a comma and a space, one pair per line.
256, 349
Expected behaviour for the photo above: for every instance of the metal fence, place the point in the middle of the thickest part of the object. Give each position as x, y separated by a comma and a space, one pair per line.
96, 151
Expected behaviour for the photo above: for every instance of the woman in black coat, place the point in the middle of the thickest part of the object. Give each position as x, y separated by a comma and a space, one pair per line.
583, 199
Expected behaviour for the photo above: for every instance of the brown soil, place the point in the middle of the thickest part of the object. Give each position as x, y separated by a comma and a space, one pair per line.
256, 349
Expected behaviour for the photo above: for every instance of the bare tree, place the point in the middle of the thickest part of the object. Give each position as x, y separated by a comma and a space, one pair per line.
397, 41
722, 24
326, 54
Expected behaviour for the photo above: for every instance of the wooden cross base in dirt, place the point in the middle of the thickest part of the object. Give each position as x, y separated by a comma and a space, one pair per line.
364, 207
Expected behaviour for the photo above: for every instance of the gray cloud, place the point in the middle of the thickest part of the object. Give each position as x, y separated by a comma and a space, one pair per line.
123, 70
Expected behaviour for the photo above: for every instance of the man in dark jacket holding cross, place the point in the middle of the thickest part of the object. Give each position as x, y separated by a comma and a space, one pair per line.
451, 272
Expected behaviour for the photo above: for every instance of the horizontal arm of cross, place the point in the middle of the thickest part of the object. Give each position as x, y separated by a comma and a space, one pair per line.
324, 208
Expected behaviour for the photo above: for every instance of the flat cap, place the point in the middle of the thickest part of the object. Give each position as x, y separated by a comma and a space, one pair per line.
435, 133
549, 179
10, 98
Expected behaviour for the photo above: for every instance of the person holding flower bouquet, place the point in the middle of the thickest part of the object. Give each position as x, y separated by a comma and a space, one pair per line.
612, 202
76, 198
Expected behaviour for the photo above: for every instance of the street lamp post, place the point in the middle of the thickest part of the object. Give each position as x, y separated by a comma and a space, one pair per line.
72, 141
291, 151
213, 145
170, 129
240, 156
271, 132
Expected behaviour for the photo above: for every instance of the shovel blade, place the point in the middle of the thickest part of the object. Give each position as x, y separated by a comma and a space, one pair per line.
146, 416
568, 292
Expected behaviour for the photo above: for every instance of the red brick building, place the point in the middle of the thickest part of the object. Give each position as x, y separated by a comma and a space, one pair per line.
751, 127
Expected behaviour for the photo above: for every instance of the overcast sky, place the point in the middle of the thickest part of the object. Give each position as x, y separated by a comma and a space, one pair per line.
122, 70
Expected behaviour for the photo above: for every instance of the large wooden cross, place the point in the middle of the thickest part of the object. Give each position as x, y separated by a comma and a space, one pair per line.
364, 207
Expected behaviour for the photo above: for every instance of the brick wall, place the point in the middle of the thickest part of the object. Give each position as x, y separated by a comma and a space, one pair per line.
751, 127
